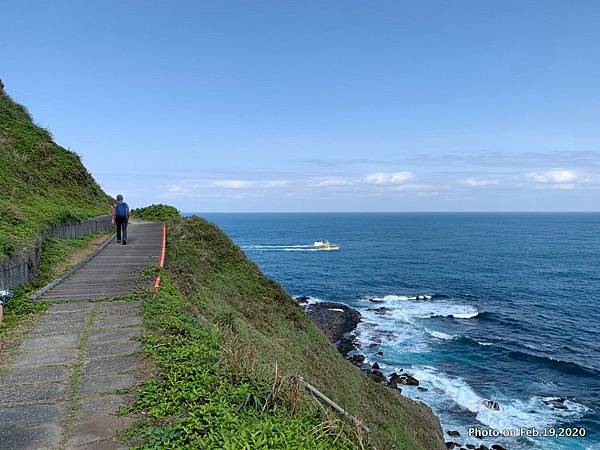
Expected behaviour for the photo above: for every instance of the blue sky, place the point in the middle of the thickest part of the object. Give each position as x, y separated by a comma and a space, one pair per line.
319, 105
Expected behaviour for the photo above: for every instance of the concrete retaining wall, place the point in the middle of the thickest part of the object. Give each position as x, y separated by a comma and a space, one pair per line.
22, 267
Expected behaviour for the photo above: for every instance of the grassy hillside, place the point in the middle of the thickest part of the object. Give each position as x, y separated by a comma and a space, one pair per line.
41, 183
159, 212
237, 327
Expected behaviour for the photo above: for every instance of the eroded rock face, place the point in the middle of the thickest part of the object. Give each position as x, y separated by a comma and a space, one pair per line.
334, 319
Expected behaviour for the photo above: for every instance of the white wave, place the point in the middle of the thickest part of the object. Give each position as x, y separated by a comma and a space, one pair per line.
515, 413
425, 310
440, 335
393, 298
408, 307
388, 331
466, 315
399, 326
310, 300
336, 309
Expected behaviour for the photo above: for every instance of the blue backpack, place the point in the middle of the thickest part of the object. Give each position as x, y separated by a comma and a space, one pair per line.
121, 210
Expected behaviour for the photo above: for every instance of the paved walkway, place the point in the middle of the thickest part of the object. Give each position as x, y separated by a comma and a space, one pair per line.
113, 271
82, 359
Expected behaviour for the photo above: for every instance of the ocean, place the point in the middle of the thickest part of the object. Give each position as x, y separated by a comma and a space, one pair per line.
477, 306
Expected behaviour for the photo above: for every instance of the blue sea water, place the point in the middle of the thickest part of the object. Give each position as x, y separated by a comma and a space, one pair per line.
508, 307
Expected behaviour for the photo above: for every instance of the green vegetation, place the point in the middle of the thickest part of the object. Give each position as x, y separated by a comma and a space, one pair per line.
226, 339
41, 183
55, 256
161, 213
203, 398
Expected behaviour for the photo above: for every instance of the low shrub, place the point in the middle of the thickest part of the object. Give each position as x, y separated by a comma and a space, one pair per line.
161, 213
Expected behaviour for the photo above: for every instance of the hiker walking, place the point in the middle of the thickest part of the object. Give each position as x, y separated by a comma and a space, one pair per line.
120, 217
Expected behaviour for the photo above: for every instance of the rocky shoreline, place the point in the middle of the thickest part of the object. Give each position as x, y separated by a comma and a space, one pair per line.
338, 322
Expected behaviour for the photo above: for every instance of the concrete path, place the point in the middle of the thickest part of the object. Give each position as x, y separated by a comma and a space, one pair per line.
82, 359
113, 271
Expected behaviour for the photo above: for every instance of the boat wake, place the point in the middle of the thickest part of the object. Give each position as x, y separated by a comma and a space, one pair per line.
316, 246
280, 248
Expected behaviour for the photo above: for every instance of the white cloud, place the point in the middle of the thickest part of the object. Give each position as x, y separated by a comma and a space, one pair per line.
389, 177
175, 189
479, 182
555, 176
247, 184
331, 182
275, 183
232, 184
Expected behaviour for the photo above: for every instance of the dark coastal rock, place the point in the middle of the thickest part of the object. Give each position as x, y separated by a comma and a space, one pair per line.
451, 445
422, 389
394, 378
375, 365
334, 319
491, 404
358, 358
347, 344
497, 447
453, 433
483, 447
377, 376
302, 299
376, 300
379, 353
556, 402
392, 385
471, 446
408, 380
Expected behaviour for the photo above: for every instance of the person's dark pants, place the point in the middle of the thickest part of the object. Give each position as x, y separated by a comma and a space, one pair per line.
121, 228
